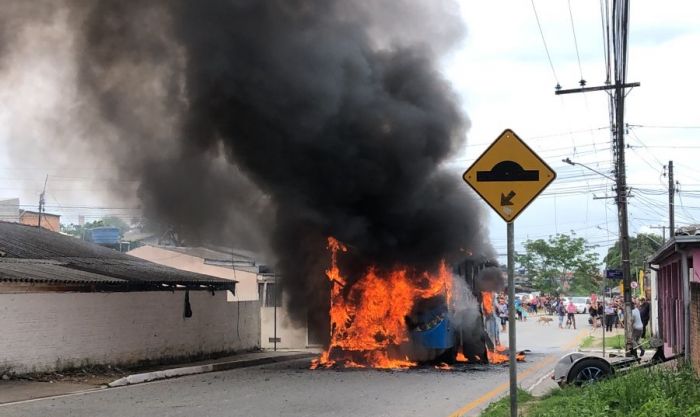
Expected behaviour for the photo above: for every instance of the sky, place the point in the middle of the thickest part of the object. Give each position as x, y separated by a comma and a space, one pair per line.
504, 79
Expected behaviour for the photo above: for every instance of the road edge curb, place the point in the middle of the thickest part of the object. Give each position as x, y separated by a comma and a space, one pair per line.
201, 369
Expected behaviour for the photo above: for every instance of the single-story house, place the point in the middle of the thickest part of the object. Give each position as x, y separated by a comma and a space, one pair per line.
255, 281
676, 296
46, 220
67, 303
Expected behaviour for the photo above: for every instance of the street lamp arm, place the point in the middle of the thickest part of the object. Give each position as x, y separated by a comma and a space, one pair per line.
570, 162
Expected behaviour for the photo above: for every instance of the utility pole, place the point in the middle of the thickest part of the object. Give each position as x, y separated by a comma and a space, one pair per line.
671, 203
620, 26
41, 200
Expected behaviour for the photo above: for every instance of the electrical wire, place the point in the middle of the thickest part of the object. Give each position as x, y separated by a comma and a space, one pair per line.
578, 56
544, 42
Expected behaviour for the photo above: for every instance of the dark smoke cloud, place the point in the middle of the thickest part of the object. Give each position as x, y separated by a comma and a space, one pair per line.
276, 124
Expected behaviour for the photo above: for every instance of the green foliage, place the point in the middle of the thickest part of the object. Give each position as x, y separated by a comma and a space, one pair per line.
641, 247
501, 408
587, 342
651, 392
561, 261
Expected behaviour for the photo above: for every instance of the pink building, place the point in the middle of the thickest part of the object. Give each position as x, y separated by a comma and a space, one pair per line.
677, 296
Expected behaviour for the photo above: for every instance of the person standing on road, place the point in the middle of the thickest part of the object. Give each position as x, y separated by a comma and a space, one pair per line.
593, 311
645, 313
571, 314
637, 327
610, 316
502, 309
518, 308
561, 312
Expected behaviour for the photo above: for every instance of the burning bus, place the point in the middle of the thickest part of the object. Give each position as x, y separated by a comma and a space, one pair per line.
402, 317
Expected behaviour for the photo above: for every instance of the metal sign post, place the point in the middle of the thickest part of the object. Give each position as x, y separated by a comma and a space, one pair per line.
512, 368
509, 176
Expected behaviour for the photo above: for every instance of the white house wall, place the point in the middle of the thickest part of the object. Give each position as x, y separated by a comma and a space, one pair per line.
246, 289
53, 331
291, 335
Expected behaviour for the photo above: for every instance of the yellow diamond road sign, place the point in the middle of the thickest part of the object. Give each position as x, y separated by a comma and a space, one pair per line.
509, 175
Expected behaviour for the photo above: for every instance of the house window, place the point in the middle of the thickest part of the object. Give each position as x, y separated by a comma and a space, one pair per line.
270, 299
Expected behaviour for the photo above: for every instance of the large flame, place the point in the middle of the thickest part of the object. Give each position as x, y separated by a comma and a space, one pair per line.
368, 320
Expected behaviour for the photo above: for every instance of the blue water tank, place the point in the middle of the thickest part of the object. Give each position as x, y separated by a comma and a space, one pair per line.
103, 235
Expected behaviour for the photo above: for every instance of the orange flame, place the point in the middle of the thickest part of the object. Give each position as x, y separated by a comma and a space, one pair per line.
487, 302
500, 355
443, 366
368, 319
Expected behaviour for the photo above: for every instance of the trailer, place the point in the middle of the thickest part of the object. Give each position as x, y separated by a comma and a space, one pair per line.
579, 368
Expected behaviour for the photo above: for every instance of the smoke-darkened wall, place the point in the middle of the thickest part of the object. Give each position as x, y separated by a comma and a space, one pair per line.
275, 124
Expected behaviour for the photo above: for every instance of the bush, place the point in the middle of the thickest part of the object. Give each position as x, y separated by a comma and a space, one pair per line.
647, 392
650, 392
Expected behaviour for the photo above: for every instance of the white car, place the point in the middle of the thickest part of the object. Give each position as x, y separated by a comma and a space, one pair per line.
581, 304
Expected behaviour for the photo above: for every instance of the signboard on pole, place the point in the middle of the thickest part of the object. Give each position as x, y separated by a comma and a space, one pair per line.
509, 175
613, 273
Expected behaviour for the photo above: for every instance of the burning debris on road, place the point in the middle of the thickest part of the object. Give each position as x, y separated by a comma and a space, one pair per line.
398, 318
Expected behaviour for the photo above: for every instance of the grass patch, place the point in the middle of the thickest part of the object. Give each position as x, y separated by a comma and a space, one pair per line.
587, 342
501, 408
650, 392
614, 342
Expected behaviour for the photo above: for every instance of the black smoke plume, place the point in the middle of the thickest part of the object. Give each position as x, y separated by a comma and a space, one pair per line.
275, 124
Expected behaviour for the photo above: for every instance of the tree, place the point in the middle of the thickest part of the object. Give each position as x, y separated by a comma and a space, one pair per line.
561, 264
79, 231
642, 247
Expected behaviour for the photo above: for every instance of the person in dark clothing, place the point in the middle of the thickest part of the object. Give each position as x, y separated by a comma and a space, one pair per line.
645, 313
593, 311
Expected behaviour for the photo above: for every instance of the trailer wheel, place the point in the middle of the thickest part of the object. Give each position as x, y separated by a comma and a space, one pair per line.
589, 370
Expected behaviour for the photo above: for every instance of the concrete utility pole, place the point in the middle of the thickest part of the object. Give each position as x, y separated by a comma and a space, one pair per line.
620, 26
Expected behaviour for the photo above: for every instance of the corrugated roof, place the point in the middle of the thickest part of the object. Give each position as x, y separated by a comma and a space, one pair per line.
670, 246
32, 254
40, 271
207, 253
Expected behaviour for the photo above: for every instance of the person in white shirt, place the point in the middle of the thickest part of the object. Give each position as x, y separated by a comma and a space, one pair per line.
637, 327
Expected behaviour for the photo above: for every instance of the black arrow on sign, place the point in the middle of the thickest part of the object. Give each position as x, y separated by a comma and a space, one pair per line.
505, 199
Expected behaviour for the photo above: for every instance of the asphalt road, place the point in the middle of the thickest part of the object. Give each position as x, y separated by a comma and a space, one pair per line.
291, 389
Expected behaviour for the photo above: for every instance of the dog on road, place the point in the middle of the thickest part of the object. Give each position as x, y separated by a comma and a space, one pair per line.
544, 320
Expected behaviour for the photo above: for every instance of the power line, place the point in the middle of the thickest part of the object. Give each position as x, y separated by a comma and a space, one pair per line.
666, 127
544, 42
582, 82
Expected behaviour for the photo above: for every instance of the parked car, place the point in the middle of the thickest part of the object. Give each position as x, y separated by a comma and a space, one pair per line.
582, 304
